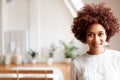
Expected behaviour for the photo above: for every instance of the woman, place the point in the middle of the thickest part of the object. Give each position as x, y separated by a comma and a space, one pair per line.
95, 25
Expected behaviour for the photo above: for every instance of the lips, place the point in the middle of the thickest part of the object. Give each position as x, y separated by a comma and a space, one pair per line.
96, 45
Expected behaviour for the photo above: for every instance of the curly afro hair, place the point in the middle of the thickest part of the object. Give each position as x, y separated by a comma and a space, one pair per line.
91, 14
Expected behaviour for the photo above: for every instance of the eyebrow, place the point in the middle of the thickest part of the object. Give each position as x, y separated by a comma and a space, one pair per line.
93, 32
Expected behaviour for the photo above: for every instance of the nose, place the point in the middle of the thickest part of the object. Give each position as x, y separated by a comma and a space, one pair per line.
96, 39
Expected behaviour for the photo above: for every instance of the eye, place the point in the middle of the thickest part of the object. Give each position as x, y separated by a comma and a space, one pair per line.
90, 34
101, 34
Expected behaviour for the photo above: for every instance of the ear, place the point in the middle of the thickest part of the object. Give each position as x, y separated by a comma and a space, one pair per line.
106, 43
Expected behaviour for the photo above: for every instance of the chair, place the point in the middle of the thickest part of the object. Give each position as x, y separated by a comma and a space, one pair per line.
24, 72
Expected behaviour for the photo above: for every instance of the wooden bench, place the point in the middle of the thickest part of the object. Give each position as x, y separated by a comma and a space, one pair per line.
24, 72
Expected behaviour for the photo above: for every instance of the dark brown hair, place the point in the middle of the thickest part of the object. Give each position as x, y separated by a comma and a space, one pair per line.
91, 14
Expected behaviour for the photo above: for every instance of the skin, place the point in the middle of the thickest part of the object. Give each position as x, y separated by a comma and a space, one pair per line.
96, 38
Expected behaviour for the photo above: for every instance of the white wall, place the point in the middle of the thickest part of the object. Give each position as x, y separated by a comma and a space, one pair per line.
16, 16
55, 22
1, 26
47, 21
52, 23
34, 27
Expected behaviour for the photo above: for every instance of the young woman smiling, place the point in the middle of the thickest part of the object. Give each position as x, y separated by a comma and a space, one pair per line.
95, 25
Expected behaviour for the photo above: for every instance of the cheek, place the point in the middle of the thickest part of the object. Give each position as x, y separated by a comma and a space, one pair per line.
104, 42
104, 38
88, 40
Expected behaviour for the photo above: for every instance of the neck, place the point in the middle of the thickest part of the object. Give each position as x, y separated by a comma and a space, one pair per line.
96, 52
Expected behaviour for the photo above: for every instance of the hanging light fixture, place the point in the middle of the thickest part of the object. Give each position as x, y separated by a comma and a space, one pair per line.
10, 1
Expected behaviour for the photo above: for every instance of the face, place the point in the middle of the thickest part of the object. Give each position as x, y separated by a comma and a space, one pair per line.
96, 38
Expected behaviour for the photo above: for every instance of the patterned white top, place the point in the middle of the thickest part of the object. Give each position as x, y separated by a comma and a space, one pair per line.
104, 66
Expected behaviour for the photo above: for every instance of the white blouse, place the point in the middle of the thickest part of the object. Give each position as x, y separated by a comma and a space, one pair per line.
104, 66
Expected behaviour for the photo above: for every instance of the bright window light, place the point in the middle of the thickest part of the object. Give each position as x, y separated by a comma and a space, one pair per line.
74, 6
77, 4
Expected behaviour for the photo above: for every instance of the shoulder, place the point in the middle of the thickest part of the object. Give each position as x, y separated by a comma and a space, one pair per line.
79, 61
114, 53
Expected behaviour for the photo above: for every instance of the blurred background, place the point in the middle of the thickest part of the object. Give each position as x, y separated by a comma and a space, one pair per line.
36, 24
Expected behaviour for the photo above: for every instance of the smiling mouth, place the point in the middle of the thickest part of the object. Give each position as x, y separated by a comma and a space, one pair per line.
96, 45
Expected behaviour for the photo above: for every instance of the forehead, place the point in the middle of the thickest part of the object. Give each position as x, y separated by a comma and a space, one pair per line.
96, 28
